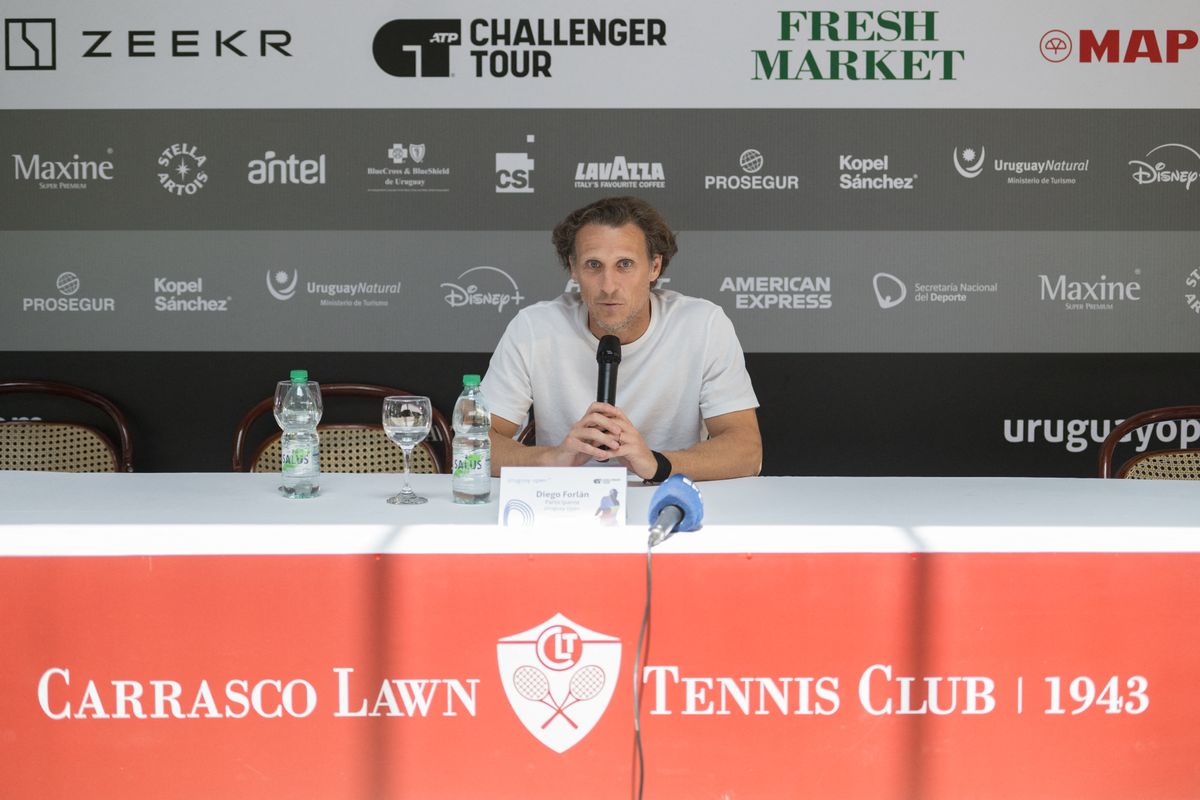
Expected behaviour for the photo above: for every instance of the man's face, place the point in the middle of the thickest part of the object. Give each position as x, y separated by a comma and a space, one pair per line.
614, 273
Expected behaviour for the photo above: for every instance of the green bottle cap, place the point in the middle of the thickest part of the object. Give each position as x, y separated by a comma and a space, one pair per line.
470, 380
299, 376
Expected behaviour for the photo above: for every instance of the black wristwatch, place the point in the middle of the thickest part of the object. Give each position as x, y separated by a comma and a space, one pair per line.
664, 468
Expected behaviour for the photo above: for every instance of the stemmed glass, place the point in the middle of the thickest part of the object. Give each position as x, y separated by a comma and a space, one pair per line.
406, 421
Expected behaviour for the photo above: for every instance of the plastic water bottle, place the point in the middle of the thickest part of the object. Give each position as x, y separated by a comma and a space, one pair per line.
298, 410
472, 480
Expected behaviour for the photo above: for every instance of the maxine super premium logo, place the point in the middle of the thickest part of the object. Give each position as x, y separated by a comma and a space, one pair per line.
501, 47
858, 46
49, 173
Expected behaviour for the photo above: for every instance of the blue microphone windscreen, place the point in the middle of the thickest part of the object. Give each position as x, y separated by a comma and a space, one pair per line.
678, 490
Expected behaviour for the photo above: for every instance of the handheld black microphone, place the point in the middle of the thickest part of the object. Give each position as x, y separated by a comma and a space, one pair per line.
676, 506
608, 356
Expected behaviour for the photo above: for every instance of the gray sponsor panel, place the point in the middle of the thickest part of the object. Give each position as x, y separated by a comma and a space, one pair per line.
455, 291
505, 169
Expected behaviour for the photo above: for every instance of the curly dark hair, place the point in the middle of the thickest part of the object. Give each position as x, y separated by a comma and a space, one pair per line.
614, 212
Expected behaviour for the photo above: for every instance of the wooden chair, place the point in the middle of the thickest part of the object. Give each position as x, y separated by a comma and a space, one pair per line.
348, 447
1160, 464
59, 446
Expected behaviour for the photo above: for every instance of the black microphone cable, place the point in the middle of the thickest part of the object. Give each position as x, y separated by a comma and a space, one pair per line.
640, 758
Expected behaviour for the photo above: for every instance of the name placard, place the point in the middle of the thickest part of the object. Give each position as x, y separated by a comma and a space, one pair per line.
535, 496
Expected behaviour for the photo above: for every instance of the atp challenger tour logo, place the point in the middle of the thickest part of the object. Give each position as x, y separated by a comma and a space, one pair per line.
501, 48
852, 53
559, 678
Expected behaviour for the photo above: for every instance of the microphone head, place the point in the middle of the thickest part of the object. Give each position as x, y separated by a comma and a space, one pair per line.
609, 351
678, 490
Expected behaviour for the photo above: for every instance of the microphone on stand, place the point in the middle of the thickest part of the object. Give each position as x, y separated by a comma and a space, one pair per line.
608, 356
676, 506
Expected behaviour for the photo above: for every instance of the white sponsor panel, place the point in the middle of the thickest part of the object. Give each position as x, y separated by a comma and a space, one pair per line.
547, 54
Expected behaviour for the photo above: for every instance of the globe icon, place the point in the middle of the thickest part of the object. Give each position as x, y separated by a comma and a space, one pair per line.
750, 161
68, 283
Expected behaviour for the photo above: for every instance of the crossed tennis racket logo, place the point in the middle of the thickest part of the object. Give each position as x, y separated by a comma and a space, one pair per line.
559, 678
532, 684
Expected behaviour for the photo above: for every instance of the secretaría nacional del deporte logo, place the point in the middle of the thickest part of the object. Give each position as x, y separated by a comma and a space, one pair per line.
559, 678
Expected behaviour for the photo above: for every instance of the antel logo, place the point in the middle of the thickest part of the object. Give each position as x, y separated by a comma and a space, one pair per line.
272, 169
971, 163
1056, 45
410, 48
1117, 46
514, 171
30, 44
559, 678
280, 287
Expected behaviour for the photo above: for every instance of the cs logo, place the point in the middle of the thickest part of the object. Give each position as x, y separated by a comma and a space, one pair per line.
408, 48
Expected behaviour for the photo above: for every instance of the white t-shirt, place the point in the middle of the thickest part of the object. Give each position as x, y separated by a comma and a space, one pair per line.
686, 367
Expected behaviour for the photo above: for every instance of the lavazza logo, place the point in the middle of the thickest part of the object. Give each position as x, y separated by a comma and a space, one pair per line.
68, 285
971, 163
283, 286
49, 174
1168, 163
620, 173
1114, 46
871, 174
182, 169
1097, 295
862, 46
185, 295
273, 169
773, 292
501, 48
407, 170
751, 162
32, 44
472, 289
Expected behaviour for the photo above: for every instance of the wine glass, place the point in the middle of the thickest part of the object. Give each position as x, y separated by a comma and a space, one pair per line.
406, 421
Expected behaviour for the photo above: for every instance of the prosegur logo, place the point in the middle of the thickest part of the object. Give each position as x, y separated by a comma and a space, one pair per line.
68, 284
183, 171
185, 295
1098, 295
871, 174
70, 175
514, 171
853, 54
771, 292
1175, 163
970, 163
1114, 45
30, 44
559, 678
283, 287
407, 172
472, 294
272, 169
501, 47
751, 162
620, 173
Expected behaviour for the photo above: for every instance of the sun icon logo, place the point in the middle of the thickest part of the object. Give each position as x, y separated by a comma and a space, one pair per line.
280, 287
968, 165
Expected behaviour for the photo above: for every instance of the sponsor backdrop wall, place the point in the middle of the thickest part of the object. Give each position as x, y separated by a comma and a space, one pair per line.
953, 240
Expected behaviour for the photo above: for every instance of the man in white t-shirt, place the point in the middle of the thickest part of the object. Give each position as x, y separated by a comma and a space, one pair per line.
684, 399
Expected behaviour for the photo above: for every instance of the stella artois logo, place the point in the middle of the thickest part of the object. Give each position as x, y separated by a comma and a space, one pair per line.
559, 677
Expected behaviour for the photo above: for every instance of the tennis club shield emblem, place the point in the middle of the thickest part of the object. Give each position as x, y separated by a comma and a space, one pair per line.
559, 677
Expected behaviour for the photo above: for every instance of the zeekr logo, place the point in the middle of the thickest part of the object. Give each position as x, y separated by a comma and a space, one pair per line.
408, 48
559, 678
30, 44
